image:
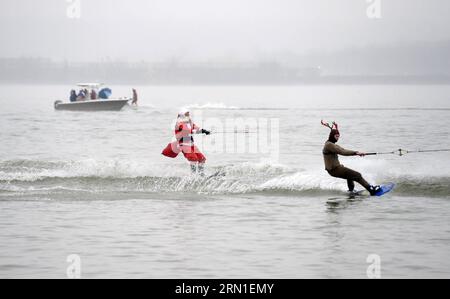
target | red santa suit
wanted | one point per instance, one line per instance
(184, 129)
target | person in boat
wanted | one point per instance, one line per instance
(184, 129)
(93, 95)
(331, 152)
(73, 96)
(135, 98)
(81, 95)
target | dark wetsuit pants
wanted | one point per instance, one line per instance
(350, 175)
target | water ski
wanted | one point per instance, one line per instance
(385, 188)
(217, 174)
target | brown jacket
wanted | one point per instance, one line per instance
(330, 155)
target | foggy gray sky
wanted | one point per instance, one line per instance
(198, 30)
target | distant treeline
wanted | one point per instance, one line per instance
(46, 71)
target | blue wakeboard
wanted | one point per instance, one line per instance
(386, 188)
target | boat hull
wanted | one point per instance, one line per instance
(93, 105)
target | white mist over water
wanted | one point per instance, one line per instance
(95, 184)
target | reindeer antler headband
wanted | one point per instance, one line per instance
(334, 125)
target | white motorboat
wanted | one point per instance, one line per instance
(94, 100)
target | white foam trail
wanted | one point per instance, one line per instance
(217, 106)
(262, 168)
(30, 171)
(26, 177)
(302, 181)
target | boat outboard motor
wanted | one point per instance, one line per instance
(57, 103)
